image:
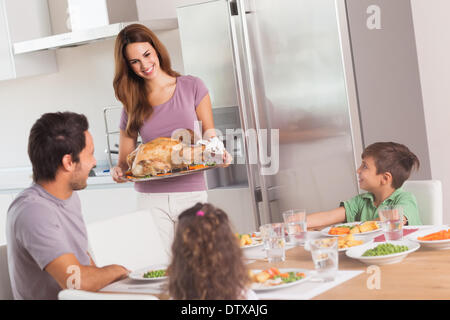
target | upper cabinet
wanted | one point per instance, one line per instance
(22, 20)
(78, 22)
(29, 28)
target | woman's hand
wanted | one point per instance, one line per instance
(118, 175)
(227, 159)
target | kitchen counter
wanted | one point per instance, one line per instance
(13, 180)
(16, 179)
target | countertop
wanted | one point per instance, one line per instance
(16, 179)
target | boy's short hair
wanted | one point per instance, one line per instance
(394, 158)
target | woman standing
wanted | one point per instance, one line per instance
(157, 101)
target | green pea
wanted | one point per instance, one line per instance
(385, 249)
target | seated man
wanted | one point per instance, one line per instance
(46, 235)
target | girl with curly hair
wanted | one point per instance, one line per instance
(207, 262)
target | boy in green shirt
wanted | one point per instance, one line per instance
(384, 168)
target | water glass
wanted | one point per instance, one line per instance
(391, 218)
(325, 255)
(274, 241)
(295, 220)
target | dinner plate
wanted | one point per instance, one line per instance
(433, 244)
(357, 252)
(262, 287)
(139, 274)
(327, 229)
(254, 244)
(170, 175)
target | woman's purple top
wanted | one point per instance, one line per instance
(177, 113)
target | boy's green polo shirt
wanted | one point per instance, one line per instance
(362, 208)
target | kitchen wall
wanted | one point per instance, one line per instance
(432, 31)
(83, 84)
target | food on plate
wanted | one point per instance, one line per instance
(273, 277)
(348, 241)
(440, 235)
(385, 249)
(246, 239)
(346, 229)
(368, 226)
(339, 230)
(155, 273)
(162, 155)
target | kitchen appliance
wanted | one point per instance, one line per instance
(285, 65)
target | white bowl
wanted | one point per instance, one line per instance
(357, 252)
(434, 244)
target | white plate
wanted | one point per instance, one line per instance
(139, 274)
(327, 229)
(357, 252)
(256, 243)
(261, 287)
(434, 244)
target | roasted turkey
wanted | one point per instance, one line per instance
(163, 155)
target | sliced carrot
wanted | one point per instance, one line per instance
(275, 271)
(284, 275)
(339, 230)
(196, 167)
(300, 274)
(440, 235)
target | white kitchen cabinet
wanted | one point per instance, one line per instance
(161, 9)
(237, 203)
(22, 20)
(104, 203)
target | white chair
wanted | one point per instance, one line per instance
(429, 199)
(5, 282)
(72, 294)
(131, 240)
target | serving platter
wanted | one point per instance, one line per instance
(130, 177)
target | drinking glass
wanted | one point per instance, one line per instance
(295, 220)
(274, 241)
(324, 252)
(391, 218)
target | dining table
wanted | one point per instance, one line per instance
(423, 275)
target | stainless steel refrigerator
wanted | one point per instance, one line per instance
(281, 70)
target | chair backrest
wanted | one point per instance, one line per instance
(71, 294)
(5, 282)
(131, 240)
(429, 199)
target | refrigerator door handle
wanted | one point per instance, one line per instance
(254, 104)
(243, 111)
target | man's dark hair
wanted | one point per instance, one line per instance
(53, 136)
(394, 158)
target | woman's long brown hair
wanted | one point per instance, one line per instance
(207, 262)
(129, 88)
